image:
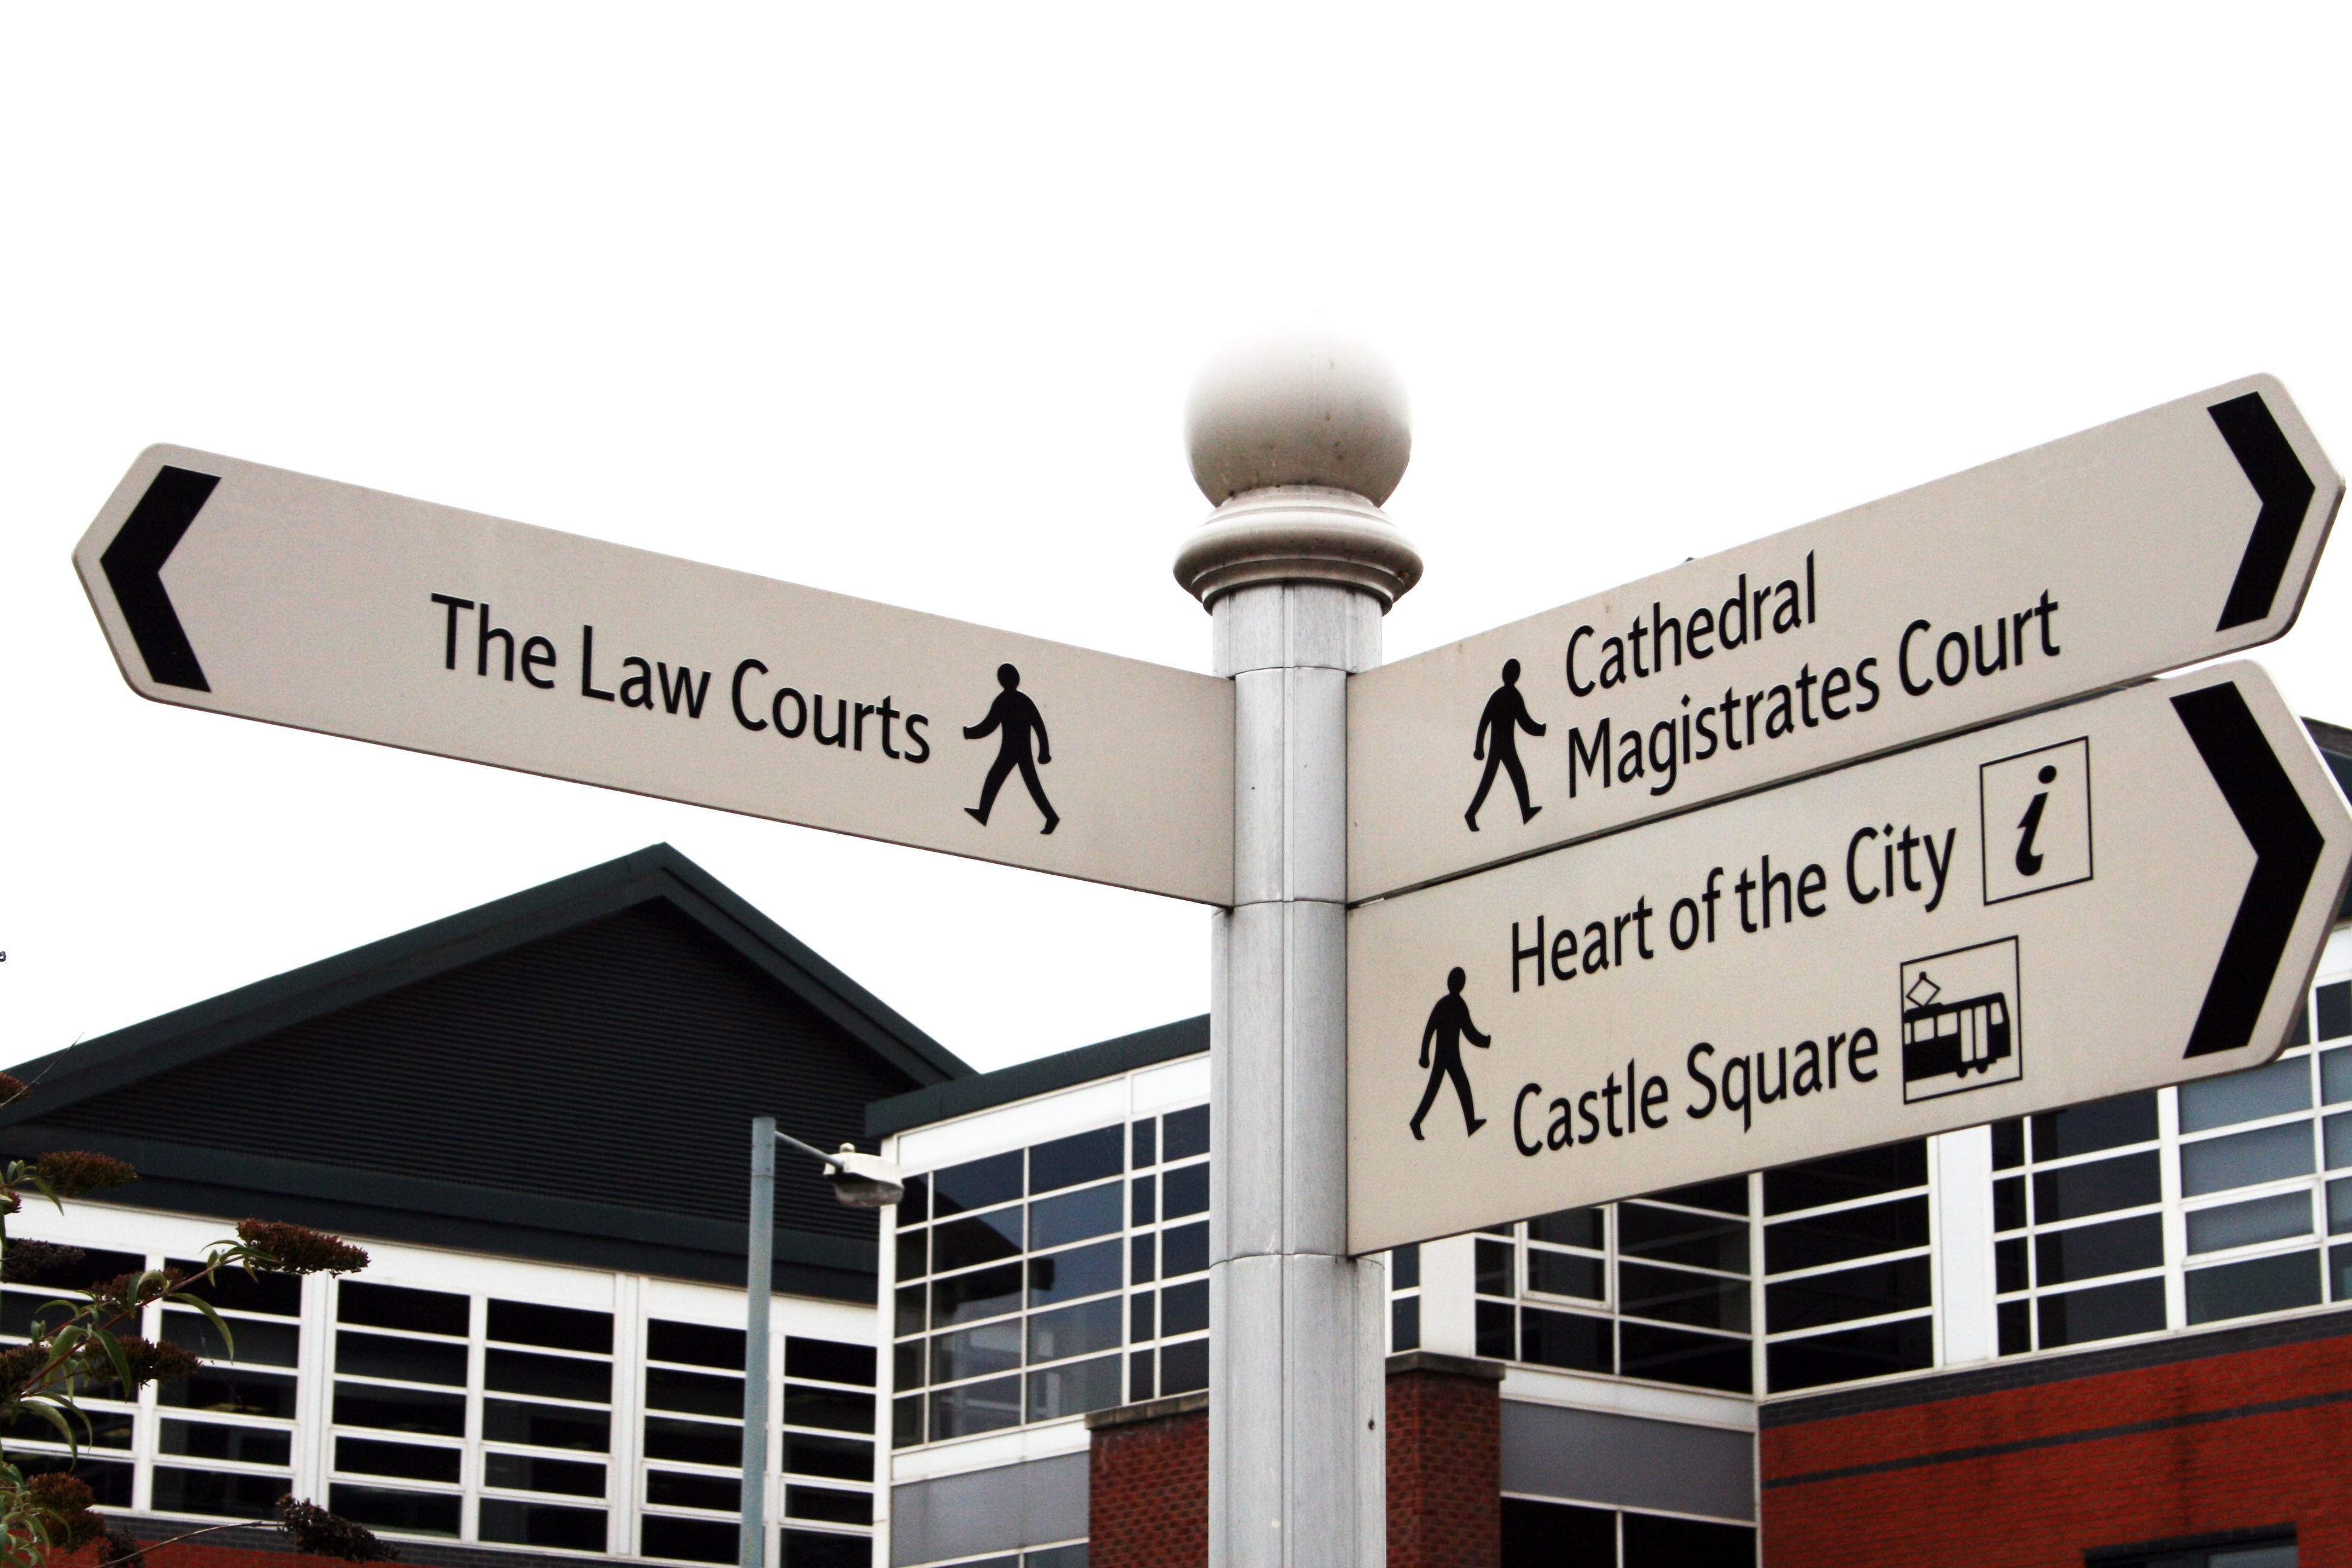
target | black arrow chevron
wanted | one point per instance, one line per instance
(134, 565)
(2286, 850)
(2280, 480)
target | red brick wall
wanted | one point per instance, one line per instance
(194, 1554)
(1445, 1471)
(1148, 1493)
(2040, 1506)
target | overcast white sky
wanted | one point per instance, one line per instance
(903, 302)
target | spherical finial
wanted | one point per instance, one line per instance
(1301, 406)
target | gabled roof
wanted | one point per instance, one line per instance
(567, 1073)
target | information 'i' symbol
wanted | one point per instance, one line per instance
(2028, 862)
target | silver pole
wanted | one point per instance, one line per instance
(1295, 439)
(751, 1549)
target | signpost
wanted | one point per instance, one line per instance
(2179, 535)
(248, 590)
(2111, 896)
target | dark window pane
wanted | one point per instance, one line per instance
(1081, 1271)
(695, 1540)
(2336, 1010)
(398, 1410)
(915, 1201)
(2117, 1247)
(1652, 1540)
(204, 1440)
(1184, 1191)
(1083, 1157)
(2271, 1090)
(1864, 1292)
(2101, 1124)
(2339, 1206)
(2097, 1188)
(976, 1352)
(398, 1307)
(1184, 1250)
(1840, 1177)
(962, 1297)
(1874, 1352)
(1404, 1267)
(2299, 1032)
(108, 1429)
(2016, 1328)
(2336, 1075)
(526, 1473)
(1140, 1261)
(543, 1524)
(1075, 1216)
(2258, 1285)
(1566, 1274)
(828, 1407)
(907, 1369)
(1841, 1238)
(1073, 1388)
(1727, 1195)
(693, 1442)
(1701, 1301)
(831, 1504)
(71, 1268)
(914, 1253)
(2241, 1158)
(808, 1549)
(1404, 1324)
(843, 1458)
(1142, 1316)
(558, 1328)
(2340, 1273)
(975, 1407)
(1671, 1355)
(409, 1361)
(235, 1290)
(1147, 1144)
(977, 1186)
(1496, 1273)
(2336, 1140)
(2008, 1143)
(1186, 1133)
(406, 1513)
(2273, 1218)
(2101, 1312)
(669, 1488)
(1554, 1535)
(1081, 1329)
(829, 1360)
(982, 1238)
(19, 1308)
(2009, 1265)
(1498, 1329)
(407, 1461)
(553, 1377)
(907, 1421)
(2009, 1204)
(1183, 1367)
(1057, 1557)
(1185, 1309)
(1139, 1376)
(694, 1393)
(696, 1345)
(550, 1427)
(236, 1392)
(1552, 1339)
(270, 1344)
(1670, 1236)
(910, 1318)
(1143, 1200)
(219, 1492)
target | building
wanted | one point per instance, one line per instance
(2119, 1333)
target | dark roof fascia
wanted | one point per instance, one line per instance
(1104, 1059)
(182, 1179)
(658, 872)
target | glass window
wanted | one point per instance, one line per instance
(405, 1359)
(1571, 1228)
(1082, 1271)
(2073, 1191)
(395, 1409)
(1674, 1236)
(2244, 1225)
(250, 1341)
(973, 1407)
(408, 1461)
(1184, 1249)
(2090, 1251)
(1146, 1143)
(669, 1488)
(1076, 1217)
(2243, 1159)
(2100, 1124)
(1845, 1236)
(984, 1238)
(228, 1493)
(213, 1440)
(693, 1442)
(694, 1392)
(2274, 1090)
(1700, 1301)
(690, 1539)
(398, 1307)
(832, 1408)
(1842, 1178)
(1905, 1344)
(1186, 1133)
(1870, 1290)
(1075, 1330)
(829, 1503)
(1183, 1367)
(235, 1290)
(552, 1377)
(1185, 1309)
(1068, 1162)
(829, 1360)
(533, 1473)
(843, 1458)
(1567, 1274)
(964, 1297)
(558, 1328)
(2258, 1285)
(1569, 1340)
(1184, 1191)
(402, 1512)
(2101, 1312)
(696, 1345)
(541, 1425)
(543, 1524)
(1073, 1388)
(976, 1352)
(982, 1184)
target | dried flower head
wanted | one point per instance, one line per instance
(18, 1366)
(67, 1500)
(120, 1547)
(298, 1249)
(149, 1362)
(13, 1088)
(9, 1202)
(31, 1260)
(76, 1173)
(136, 1289)
(329, 1534)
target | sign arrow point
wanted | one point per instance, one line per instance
(133, 564)
(2284, 486)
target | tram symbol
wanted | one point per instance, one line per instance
(1959, 1020)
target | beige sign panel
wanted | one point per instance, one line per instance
(2176, 535)
(2112, 896)
(246, 590)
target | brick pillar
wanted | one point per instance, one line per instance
(1147, 1485)
(1445, 1461)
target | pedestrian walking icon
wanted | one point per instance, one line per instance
(1014, 718)
(1497, 741)
(1449, 1023)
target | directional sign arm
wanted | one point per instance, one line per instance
(2278, 477)
(133, 564)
